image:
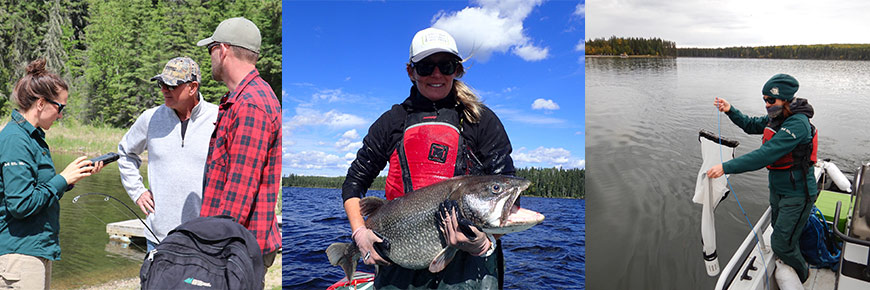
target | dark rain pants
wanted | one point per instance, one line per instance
(789, 214)
(464, 272)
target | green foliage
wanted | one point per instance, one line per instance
(108, 50)
(546, 182)
(555, 182)
(631, 46)
(294, 180)
(818, 51)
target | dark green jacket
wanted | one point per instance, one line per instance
(30, 190)
(794, 130)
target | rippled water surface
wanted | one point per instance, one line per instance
(547, 256)
(87, 255)
(643, 156)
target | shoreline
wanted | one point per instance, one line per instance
(564, 197)
(628, 56)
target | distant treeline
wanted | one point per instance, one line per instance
(555, 182)
(631, 46)
(817, 51)
(325, 182)
(546, 182)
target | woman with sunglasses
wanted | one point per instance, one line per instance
(788, 150)
(441, 130)
(30, 188)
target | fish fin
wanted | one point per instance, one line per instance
(442, 259)
(344, 255)
(370, 204)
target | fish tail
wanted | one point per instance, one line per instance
(344, 255)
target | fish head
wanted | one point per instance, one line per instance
(488, 202)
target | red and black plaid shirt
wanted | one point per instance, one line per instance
(243, 170)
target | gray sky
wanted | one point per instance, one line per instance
(722, 23)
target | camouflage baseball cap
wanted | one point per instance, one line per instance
(177, 71)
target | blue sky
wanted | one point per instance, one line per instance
(344, 65)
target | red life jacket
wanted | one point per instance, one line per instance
(803, 154)
(426, 154)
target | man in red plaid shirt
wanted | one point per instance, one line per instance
(242, 172)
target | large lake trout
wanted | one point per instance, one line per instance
(410, 224)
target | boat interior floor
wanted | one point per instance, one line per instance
(820, 279)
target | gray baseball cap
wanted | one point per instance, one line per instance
(237, 31)
(177, 71)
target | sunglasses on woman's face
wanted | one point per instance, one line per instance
(770, 100)
(427, 68)
(59, 105)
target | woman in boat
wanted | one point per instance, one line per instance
(788, 150)
(441, 130)
(30, 188)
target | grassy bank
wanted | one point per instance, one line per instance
(69, 136)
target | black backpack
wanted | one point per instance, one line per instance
(205, 253)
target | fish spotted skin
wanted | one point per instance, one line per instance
(411, 226)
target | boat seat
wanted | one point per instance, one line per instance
(827, 202)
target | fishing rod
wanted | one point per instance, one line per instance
(106, 197)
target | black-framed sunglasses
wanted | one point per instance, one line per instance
(162, 85)
(212, 45)
(447, 67)
(769, 100)
(59, 105)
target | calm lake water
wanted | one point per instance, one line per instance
(550, 255)
(87, 256)
(643, 157)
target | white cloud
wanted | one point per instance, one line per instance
(346, 142)
(580, 10)
(731, 23)
(541, 104)
(531, 52)
(333, 118)
(312, 160)
(556, 157)
(329, 95)
(350, 134)
(495, 26)
(581, 46)
(525, 117)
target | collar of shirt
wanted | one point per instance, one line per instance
(230, 97)
(26, 126)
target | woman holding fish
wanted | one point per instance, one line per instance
(441, 130)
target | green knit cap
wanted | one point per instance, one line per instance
(780, 86)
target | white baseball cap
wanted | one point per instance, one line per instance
(430, 41)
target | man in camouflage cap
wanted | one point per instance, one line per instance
(176, 136)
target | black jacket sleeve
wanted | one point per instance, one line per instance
(491, 146)
(377, 146)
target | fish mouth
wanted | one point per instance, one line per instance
(511, 199)
(514, 218)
